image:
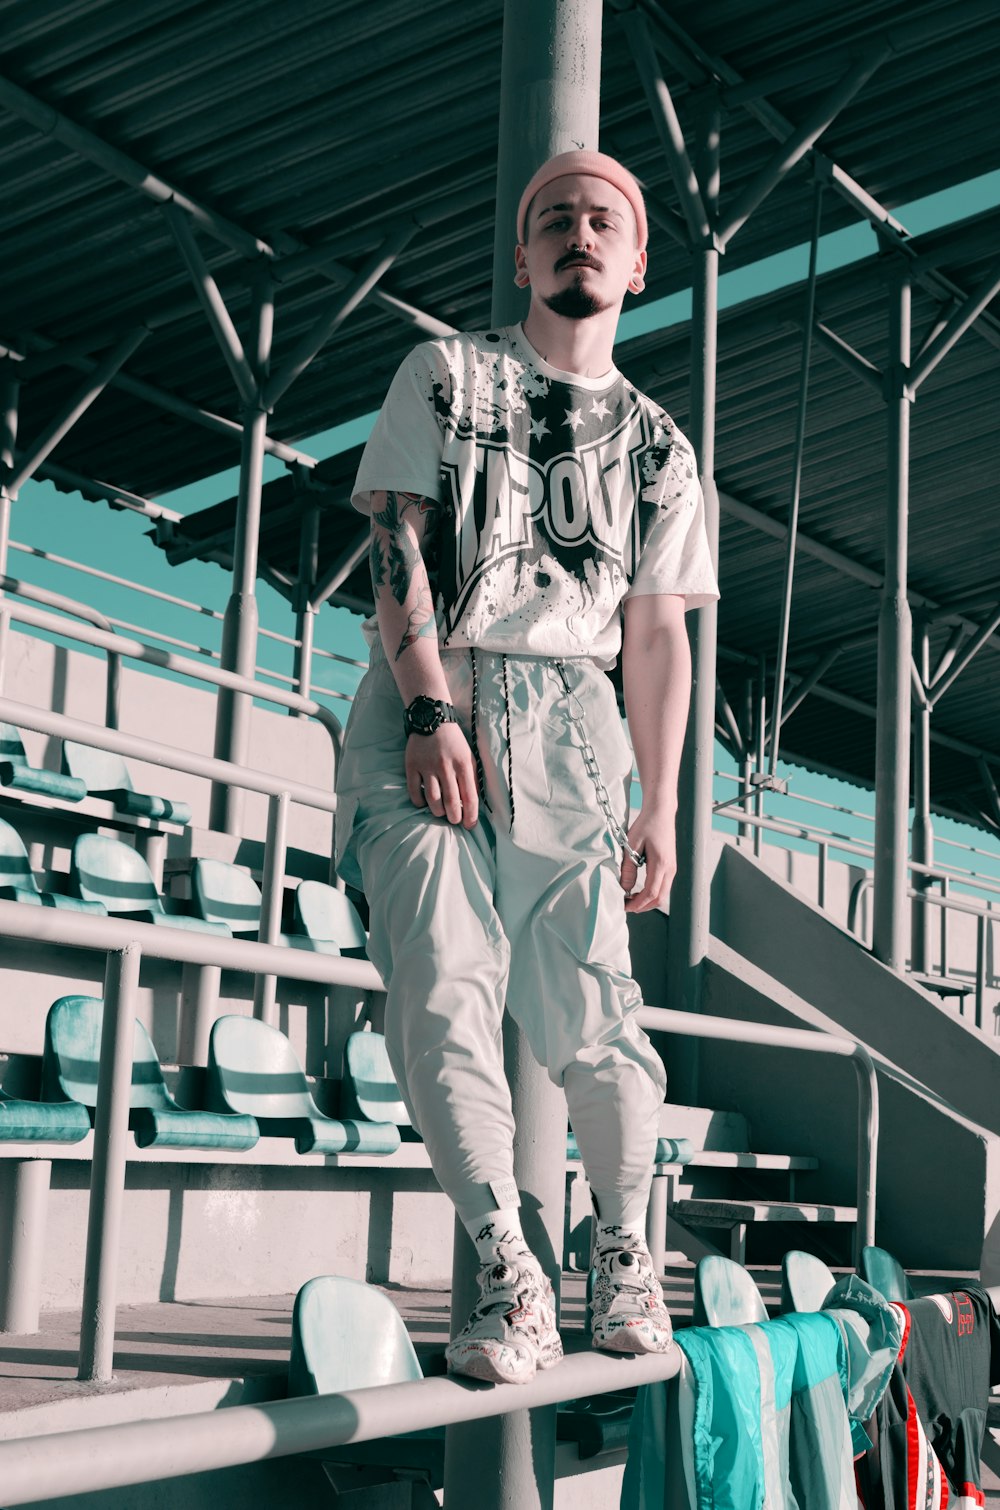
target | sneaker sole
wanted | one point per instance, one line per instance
(476, 1365)
(627, 1340)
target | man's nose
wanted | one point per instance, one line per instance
(581, 236)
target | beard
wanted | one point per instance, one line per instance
(574, 302)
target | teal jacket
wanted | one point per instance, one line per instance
(770, 1414)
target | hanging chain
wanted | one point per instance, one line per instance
(575, 714)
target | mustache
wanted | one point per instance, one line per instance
(579, 259)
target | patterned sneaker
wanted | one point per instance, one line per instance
(512, 1330)
(628, 1311)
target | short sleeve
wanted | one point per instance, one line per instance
(675, 556)
(404, 449)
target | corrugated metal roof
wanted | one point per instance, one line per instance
(319, 124)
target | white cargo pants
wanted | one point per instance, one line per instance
(525, 911)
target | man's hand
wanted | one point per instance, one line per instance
(652, 835)
(441, 775)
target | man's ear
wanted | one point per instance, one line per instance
(521, 277)
(637, 282)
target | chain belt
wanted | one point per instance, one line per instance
(590, 761)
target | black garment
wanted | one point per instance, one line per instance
(927, 1433)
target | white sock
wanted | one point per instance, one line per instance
(495, 1230)
(615, 1235)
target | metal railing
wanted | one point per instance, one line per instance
(202, 610)
(112, 691)
(687, 1025)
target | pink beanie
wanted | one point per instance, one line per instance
(594, 165)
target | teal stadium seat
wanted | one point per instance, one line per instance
(16, 773)
(252, 1068)
(42, 1121)
(107, 871)
(18, 884)
(105, 774)
(327, 917)
(725, 1294)
(69, 1072)
(224, 893)
(369, 1089)
(885, 1273)
(347, 1335)
(806, 1281)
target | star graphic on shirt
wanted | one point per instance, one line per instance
(539, 428)
(599, 409)
(574, 417)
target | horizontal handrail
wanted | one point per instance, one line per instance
(137, 747)
(112, 693)
(77, 930)
(139, 651)
(33, 1469)
(697, 1025)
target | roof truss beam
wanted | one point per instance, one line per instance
(961, 318)
(339, 571)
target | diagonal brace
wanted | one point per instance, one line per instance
(953, 329)
(334, 314)
(213, 304)
(340, 570)
(667, 125)
(808, 682)
(850, 358)
(80, 402)
(990, 786)
(727, 723)
(798, 144)
(938, 688)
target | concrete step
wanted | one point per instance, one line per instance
(717, 1158)
(704, 1127)
(737, 1215)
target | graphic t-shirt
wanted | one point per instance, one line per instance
(561, 495)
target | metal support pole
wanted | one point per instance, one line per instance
(793, 509)
(550, 85)
(107, 1178)
(892, 730)
(272, 892)
(200, 986)
(689, 905)
(922, 840)
(761, 729)
(305, 613)
(239, 631)
(10, 394)
(24, 1200)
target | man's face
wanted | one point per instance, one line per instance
(579, 255)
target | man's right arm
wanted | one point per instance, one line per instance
(440, 770)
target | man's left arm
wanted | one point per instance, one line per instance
(656, 672)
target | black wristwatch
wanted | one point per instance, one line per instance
(425, 714)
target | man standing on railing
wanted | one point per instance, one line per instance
(525, 498)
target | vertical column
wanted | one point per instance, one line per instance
(689, 903)
(239, 630)
(922, 841)
(10, 392)
(550, 102)
(305, 614)
(892, 730)
(24, 1204)
(107, 1174)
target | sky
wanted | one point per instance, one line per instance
(53, 524)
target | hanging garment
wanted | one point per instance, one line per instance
(769, 1414)
(927, 1434)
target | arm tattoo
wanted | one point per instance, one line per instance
(376, 558)
(420, 622)
(400, 553)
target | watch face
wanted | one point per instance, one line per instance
(425, 714)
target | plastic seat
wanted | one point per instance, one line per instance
(107, 871)
(806, 1281)
(328, 919)
(18, 884)
(369, 1089)
(885, 1273)
(69, 1073)
(725, 1294)
(42, 1121)
(223, 893)
(105, 774)
(347, 1335)
(15, 771)
(252, 1068)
